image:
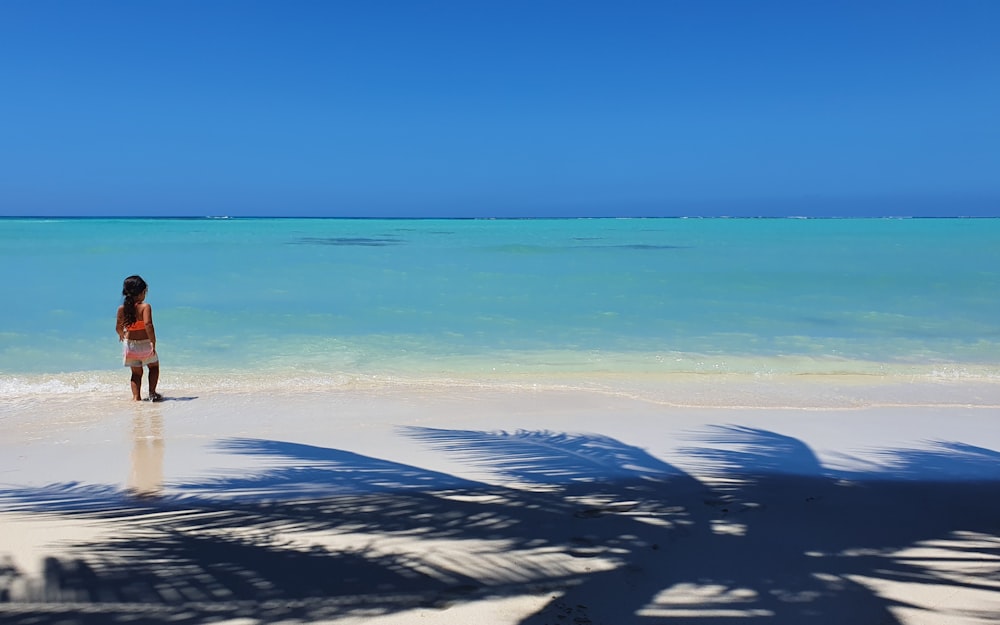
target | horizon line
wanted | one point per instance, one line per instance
(490, 218)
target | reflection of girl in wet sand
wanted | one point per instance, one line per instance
(146, 479)
(134, 325)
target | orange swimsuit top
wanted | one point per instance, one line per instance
(139, 324)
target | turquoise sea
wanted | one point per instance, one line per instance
(281, 300)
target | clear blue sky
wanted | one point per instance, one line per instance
(499, 107)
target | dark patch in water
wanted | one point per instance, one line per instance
(639, 246)
(418, 230)
(821, 321)
(358, 241)
(646, 246)
(544, 249)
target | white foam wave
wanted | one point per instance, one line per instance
(64, 384)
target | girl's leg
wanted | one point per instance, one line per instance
(154, 377)
(136, 383)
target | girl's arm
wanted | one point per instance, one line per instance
(120, 323)
(147, 316)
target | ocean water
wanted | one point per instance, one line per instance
(305, 301)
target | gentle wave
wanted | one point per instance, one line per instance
(59, 384)
(844, 385)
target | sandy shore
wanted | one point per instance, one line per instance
(484, 503)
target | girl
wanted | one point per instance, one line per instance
(134, 325)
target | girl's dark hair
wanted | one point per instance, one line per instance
(131, 289)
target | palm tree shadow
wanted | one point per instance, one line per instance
(764, 533)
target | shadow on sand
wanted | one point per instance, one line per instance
(601, 531)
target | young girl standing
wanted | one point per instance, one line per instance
(134, 325)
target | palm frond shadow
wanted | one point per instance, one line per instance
(943, 461)
(545, 457)
(304, 471)
(766, 534)
(745, 451)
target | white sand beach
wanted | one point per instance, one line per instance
(652, 501)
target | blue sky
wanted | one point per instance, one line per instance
(478, 108)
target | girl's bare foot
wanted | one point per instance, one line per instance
(154, 396)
